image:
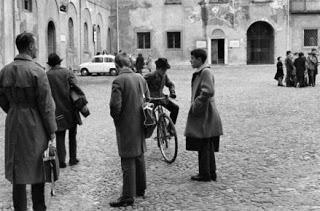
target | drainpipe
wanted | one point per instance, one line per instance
(118, 41)
(14, 27)
(288, 25)
(80, 32)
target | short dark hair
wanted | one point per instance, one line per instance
(199, 53)
(288, 52)
(122, 59)
(279, 58)
(23, 41)
(301, 54)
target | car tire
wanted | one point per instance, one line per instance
(113, 72)
(84, 72)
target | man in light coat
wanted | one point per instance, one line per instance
(25, 96)
(204, 127)
(128, 91)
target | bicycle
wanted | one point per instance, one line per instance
(166, 132)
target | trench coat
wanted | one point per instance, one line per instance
(126, 111)
(61, 80)
(25, 96)
(203, 118)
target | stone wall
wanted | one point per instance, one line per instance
(233, 19)
(94, 12)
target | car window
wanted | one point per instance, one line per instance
(106, 59)
(97, 59)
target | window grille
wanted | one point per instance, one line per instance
(218, 1)
(173, 2)
(310, 37)
(143, 40)
(174, 39)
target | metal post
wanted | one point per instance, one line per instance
(118, 42)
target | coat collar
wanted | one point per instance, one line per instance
(23, 57)
(199, 69)
(125, 70)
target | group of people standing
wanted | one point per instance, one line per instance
(39, 109)
(41, 105)
(301, 70)
(203, 127)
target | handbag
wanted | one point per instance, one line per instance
(149, 122)
(51, 166)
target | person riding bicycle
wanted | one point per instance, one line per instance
(156, 81)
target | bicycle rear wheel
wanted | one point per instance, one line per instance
(167, 141)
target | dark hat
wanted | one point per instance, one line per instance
(53, 59)
(162, 63)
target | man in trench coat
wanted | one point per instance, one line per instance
(25, 96)
(204, 127)
(128, 90)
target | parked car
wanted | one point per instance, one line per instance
(100, 64)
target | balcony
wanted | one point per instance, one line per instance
(305, 7)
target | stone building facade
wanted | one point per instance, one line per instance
(232, 31)
(75, 29)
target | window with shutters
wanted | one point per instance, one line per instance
(143, 40)
(310, 37)
(27, 5)
(174, 39)
(304, 6)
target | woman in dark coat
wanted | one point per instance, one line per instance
(279, 75)
(204, 127)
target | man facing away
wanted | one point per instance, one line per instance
(157, 80)
(62, 81)
(25, 96)
(290, 76)
(128, 90)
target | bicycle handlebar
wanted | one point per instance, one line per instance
(159, 98)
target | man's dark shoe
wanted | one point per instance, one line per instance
(140, 194)
(122, 202)
(200, 178)
(73, 162)
(214, 177)
(62, 165)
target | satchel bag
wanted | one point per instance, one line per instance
(150, 121)
(51, 166)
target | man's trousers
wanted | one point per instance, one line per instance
(19, 196)
(207, 161)
(134, 176)
(61, 148)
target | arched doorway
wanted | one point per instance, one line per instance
(98, 39)
(51, 38)
(70, 49)
(109, 41)
(217, 47)
(260, 43)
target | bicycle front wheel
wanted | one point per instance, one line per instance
(167, 138)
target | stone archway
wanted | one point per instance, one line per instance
(51, 37)
(260, 43)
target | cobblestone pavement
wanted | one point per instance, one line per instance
(269, 156)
